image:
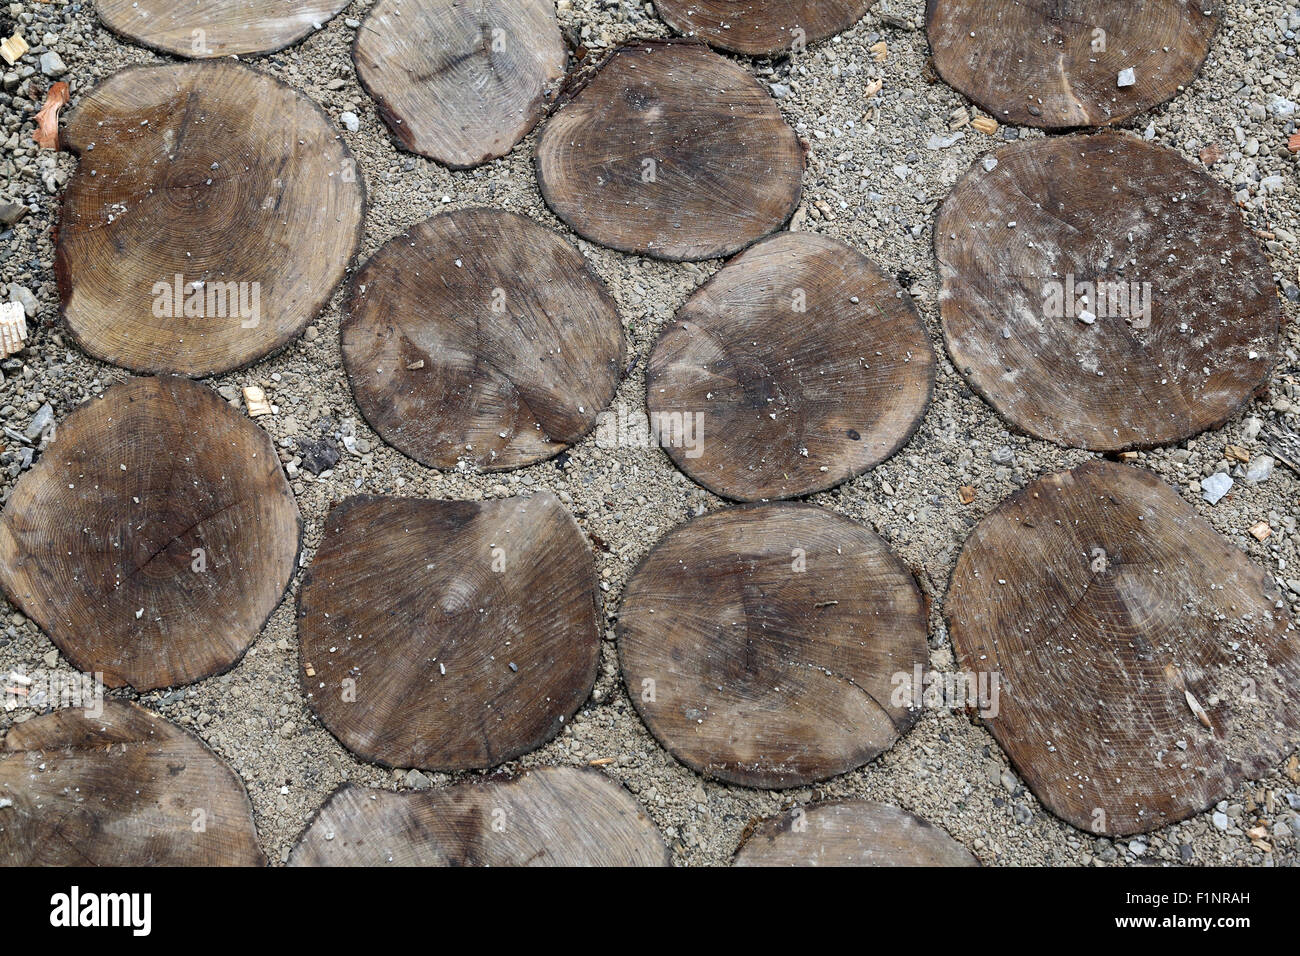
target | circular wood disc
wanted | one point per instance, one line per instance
(850, 833)
(154, 538)
(1145, 670)
(761, 27)
(211, 28)
(449, 635)
(550, 816)
(671, 151)
(209, 223)
(461, 82)
(119, 788)
(1055, 65)
(801, 365)
(1103, 293)
(481, 336)
(759, 644)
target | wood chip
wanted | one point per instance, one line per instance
(256, 401)
(1237, 453)
(985, 124)
(879, 51)
(966, 493)
(1261, 531)
(13, 49)
(13, 329)
(1293, 144)
(46, 134)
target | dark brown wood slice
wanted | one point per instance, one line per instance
(209, 223)
(671, 151)
(1145, 665)
(1103, 293)
(461, 81)
(119, 787)
(761, 27)
(798, 366)
(449, 635)
(212, 28)
(479, 336)
(153, 539)
(850, 833)
(549, 816)
(1056, 65)
(759, 644)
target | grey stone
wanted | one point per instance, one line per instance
(350, 121)
(42, 420)
(52, 64)
(1215, 487)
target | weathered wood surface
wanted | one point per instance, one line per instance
(209, 178)
(550, 816)
(448, 635)
(850, 833)
(153, 539)
(671, 151)
(1183, 332)
(461, 81)
(125, 788)
(1056, 64)
(1145, 667)
(481, 336)
(761, 27)
(799, 366)
(212, 28)
(759, 644)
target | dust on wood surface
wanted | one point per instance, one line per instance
(1144, 668)
(760, 644)
(152, 540)
(448, 635)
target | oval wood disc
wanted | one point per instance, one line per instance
(481, 336)
(211, 28)
(449, 635)
(850, 833)
(154, 538)
(761, 27)
(1145, 671)
(1058, 65)
(754, 672)
(461, 82)
(800, 365)
(1127, 306)
(550, 816)
(119, 788)
(671, 151)
(215, 180)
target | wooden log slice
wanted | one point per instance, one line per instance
(1145, 667)
(1103, 293)
(479, 336)
(761, 27)
(212, 28)
(671, 151)
(759, 644)
(850, 833)
(461, 81)
(119, 787)
(209, 223)
(154, 538)
(448, 635)
(1064, 63)
(798, 366)
(550, 816)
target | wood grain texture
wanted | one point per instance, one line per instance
(1139, 219)
(850, 833)
(1109, 608)
(479, 336)
(467, 629)
(1056, 64)
(219, 175)
(550, 816)
(671, 151)
(753, 672)
(213, 28)
(153, 539)
(124, 788)
(761, 27)
(803, 364)
(461, 81)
